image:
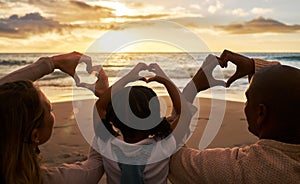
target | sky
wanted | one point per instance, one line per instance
(149, 26)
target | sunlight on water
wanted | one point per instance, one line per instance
(180, 67)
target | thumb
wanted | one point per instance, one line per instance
(219, 83)
(232, 79)
(86, 85)
(143, 79)
(76, 79)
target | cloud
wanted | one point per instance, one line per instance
(32, 23)
(259, 25)
(195, 6)
(254, 11)
(214, 8)
(69, 11)
(261, 11)
(63, 17)
(239, 12)
(148, 17)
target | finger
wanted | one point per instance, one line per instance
(87, 86)
(219, 83)
(210, 62)
(222, 63)
(143, 79)
(139, 67)
(232, 79)
(88, 61)
(155, 79)
(155, 68)
(76, 79)
(151, 79)
(97, 68)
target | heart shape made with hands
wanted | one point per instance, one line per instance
(149, 76)
(96, 73)
(148, 73)
(142, 71)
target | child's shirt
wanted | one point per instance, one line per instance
(147, 160)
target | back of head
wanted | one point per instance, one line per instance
(278, 87)
(21, 111)
(142, 101)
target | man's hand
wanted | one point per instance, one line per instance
(203, 78)
(244, 65)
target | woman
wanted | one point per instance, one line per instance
(27, 122)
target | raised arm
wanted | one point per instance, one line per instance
(203, 79)
(245, 65)
(65, 62)
(105, 98)
(173, 91)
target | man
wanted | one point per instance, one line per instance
(272, 106)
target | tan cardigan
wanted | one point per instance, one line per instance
(266, 161)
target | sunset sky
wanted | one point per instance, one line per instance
(63, 26)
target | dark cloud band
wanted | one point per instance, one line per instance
(259, 25)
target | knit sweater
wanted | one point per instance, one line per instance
(266, 161)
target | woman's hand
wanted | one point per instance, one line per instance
(67, 63)
(99, 87)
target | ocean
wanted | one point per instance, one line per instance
(180, 67)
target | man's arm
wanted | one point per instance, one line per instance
(245, 65)
(203, 79)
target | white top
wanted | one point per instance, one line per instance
(154, 154)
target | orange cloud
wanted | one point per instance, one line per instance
(259, 25)
(32, 23)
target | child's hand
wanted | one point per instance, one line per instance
(133, 75)
(160, 74)
(155, 68)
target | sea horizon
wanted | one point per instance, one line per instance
(179, 66)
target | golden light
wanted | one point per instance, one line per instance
(149, 46)
(119, 8)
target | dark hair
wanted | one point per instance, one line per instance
(21, 111)
(139, 101)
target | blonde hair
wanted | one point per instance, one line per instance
(21, 112)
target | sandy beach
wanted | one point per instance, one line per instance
(67, 145)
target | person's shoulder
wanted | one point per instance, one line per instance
(273, 144)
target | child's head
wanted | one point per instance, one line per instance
(138, 98)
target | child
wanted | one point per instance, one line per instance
(143, 154)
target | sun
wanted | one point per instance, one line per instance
(119, 8)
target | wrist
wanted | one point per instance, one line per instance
(47, 61)
(52, 65)
(55, 62)
(260, 63)
(198, 79)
